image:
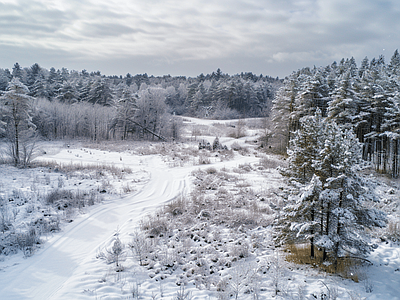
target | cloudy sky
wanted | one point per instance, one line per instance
(189, 37)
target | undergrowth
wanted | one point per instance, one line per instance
(347, 267)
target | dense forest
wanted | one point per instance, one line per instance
(70, 104)
(365, 99)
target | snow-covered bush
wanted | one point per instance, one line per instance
(241, 277)
(155, 226)
(27, 241)
(269, 163)
(140, 246)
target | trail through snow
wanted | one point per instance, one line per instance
(44, 276)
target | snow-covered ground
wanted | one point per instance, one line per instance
(72, 263)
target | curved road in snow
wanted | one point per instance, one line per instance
(44, 275)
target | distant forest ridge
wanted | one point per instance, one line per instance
(216, 95)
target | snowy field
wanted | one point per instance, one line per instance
(193, 224)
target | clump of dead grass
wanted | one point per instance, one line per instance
(71, 167)
(347, 267)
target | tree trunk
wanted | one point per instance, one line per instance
(394, 159)
(16, 147)
(324, 254)
(312, 254)
(338, 230)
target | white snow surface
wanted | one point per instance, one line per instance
(55, 271)
(66, 266)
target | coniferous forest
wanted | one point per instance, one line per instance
(364, 99)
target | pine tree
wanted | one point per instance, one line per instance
(100, 92)
(283, 107)
(313, 95)
(331, 211)
(342, 108)
(40, 88)
(17, 71)
(394, 65)
(304, 148)
(67, 93)
(216, 144)
(302, 216)
(4, 80)
(17, 119)
(391, 130)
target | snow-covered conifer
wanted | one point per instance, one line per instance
(342, 107)
(303, 148)
(283, 106)
(303, 216)
(216, 144)
(16, 120)
(333, 211)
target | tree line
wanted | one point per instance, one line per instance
(364, 99)
(63, 104)
(215, 95)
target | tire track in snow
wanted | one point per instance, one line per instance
(43, 275)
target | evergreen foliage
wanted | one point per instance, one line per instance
(332, 209)
(363, 99)
(16, 120)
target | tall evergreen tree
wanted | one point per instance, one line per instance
(283, 108)
(332, 211)
(342, 108)
(16, 108)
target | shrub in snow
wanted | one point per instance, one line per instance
(392, 231)
(238, 130)
(140, 246)
(240, 250)
(155, 226)
(269, 163)
(277, 269)
(205, 145)
(243, 278)
(211, 170)
(5, 216)
(182, 294)
(27, 241)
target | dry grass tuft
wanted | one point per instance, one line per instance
(347, 267)
(74, 167)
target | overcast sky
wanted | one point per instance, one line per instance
(189, 37)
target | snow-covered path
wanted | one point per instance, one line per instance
(49, 274)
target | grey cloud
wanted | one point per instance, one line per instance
(27, 56)
(269, 36)
(103, 30)
(31, 19)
